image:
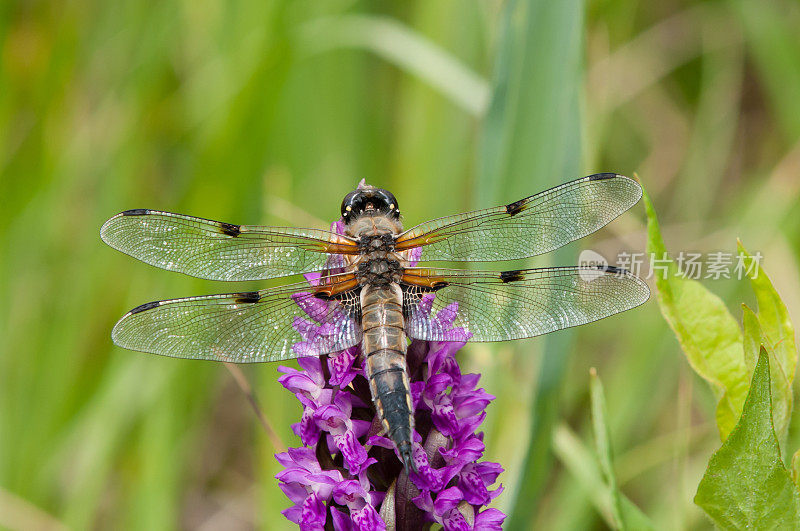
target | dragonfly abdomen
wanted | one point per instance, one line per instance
(384, 348)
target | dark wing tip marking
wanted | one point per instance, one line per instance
(144, 307)
(511, 276)
(136, 212)
(612, 269)
(516, 207)
(602, 176)
(247, 297)
(230, 229)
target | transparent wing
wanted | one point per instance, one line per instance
(444, 304)
(268, 325)
(221, 251)
(528, 227)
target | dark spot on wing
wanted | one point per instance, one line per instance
(144, 307)
(229, 229)
(136, 212)
(247, 297)
(515, 208)
(322, 296)
(612, 269)
(602, 176)
(511, 276)
(436, 286)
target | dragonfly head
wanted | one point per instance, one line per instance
(368, 200)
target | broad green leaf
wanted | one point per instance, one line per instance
(603, 442)
(709, 335)
(778, 333)
(754, 340)
(746, 484)
(583, 466)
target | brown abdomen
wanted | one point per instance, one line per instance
(384, 347)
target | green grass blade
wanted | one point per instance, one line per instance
(531, 141)
(771, 31)
(603, 442)
(583, 466)
(403, 47)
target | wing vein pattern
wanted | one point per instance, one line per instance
(495, 306)
(267, 325)
(528, 227)
(220, 251)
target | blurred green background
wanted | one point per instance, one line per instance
(269, 112)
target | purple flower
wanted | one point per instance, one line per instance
(347, 475)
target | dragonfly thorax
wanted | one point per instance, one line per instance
(379, 271)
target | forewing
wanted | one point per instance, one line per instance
(267, 325)
(528, 227)
(221, 251)
(453, 305)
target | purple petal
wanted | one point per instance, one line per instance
(299, 382)
(424, 501)
(444, 418)
(304, 327)
(314, 307)
(490, 520)
(447, 315)
(447, 499)
(472, 404)
(488, 471)
(307, 428)
(294, 475)
(468, 425)
(323, 484)
(496, 492)
(413, 256)
(355, 456)
(331, 419)
(350, 493)
(468, 382)
(436, 384)
(425, 305)
(313, 367)
(453, 520)
(473, 487)
(312, 514)
(296, 492)
(338, 226)
(293, 514)
(313, 277)
(341, 366)
(468, 451)
(367, 519)
(428, 478)
(341, 521)
(379, 440)
(417, 389)
(304, 457)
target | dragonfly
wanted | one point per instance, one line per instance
(376, 284)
